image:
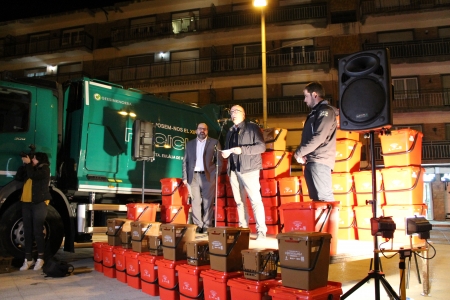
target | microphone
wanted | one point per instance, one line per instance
(223, 120)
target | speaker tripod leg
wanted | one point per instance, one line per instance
(392, 294)
(357, 286)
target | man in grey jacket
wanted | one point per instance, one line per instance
(317, 150)
(243, 147)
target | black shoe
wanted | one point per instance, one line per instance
(199, 230)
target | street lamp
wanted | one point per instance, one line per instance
(262, 4)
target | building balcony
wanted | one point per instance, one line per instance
(14, 49)
(371, 7)
(224, 66)
(126, 35)
(415, 51)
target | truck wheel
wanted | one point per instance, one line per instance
(12, 237)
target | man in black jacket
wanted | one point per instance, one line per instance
(317, 150)
(243, 147)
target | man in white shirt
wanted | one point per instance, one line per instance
(199, 172)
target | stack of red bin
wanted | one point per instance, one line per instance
(403, 179)
(174, 208)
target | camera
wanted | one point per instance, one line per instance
(31, 153)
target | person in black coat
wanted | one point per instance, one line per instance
(35, 174)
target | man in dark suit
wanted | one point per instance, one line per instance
(199, 172)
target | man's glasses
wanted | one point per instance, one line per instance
(202, 128)
(235, 111)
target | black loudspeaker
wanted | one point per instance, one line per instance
(365, 91)
(143, 140)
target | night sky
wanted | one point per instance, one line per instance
(21, 9)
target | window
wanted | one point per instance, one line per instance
(396, 36)
(72, 36)
(142, 27)
(185, 97)
(447, 131)
(70, 68)
(141, 60)
(185, 21)
(444, 32)
(291, 90)
(390, 3)
(298, 51)
(39, 42)
(247, 56)
(446, 88)
(37, 72)
(247, 93)
(14, 110)
(293, 2)
(405, 88)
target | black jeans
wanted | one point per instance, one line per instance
(33, 225)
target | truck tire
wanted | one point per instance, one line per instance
(12, 236)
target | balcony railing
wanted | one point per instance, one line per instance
(217, 21)
(421, 48)
(432, 152)
(45, 45)
(369, 7)
(220, 64)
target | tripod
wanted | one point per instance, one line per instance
(376, 273)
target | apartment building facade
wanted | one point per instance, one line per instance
(210, 52)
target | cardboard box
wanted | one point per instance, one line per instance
(174, 239)
(225, 246)
(139, 229)
(197, 252)
(260, 264)
(125, 237)
(155, 245)
(304, 259)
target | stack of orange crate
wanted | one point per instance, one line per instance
(221, 204)
(174, 208)
(348, 160)
(403, 179)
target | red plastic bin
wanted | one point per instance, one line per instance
(121, 265)
(98, 255)
(343, 191)
(246, 289)
(363, 187)
(145, 212)
(269, 187)
(332, 291)
(149, 274)
(109, 261)
(173, 191)
(276, 164)
(348, 156)
(133, 269)
(189, 281)
(403, 185)
(402, 147)
(314, 216)
(168, 278)
(215, 283)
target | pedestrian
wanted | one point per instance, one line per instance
(199, 173)
(35, 173)
(317, 149)
(245, 143)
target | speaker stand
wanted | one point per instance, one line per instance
(375, 274)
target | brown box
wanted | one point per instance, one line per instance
(114, 228)
(125, 237)
(225, 246)
(304, 259)
(155, 245)
(140, 246)
(174, 239)
(275, 138)
(139, 229)
(260, 264)
(197, 252)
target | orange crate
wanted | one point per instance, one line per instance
(144, 212)
(349, 233)
(190, 283)
(363, 181)
(315, 216)
(332, 291)
(403, 185)
(271, 213)
(305, 192)
(221, 213)
(347, 135)
(221, 202)
(399, 213)
(245, 289)
(174, 214)
(269, 187)
(290, 189)
(215, 283)
(347, 223)
(348, 156)
(271, 201)
(232, 214)
(221, 189)
(342, 184)
(173, 191)
(363, 214)
(402, 147)
(276, 164)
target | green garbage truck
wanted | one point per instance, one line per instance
(87, 128)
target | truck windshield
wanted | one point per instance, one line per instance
(14, 110)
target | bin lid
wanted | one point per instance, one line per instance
(255, 286)
(193, 270)
(303, 235)
(220, 276)
(149, 258)
(282, 292)
(169, 264)
(216, 230)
